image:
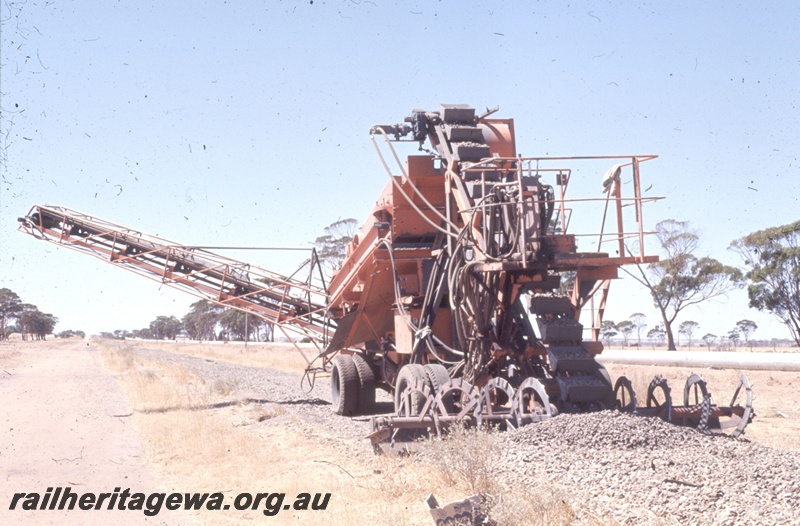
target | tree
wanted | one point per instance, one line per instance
(567, 282)
(625, 327)
(263, 330)
(25, 319)
(144, 333)
(639, 321)
(202, 319)
(708, 339)
(165, 327)
(608, 331)
(680, 278)
(332, 246)
(657, 333)
(44, 324)
(688, 328)
(35, 323)
(747, 328)
(772, 261)
(10, 307)
(237, 325)
(734, 336)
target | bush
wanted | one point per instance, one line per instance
(69, 333)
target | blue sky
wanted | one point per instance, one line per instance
(246, 123)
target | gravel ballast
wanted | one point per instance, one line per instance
(645, 471)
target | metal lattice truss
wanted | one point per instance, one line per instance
(292, 305)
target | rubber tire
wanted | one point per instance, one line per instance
(366, 385)
(344, 385)
(409, 375)
(438, 376)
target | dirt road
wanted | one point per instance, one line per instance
(66, 423)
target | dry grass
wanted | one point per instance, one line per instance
(198, 437)
(280, 356)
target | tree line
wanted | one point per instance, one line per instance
(26, 319)
(204, 321)
(771, 273)
(630, 333)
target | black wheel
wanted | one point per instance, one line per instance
(697, 389)
(437, 377)
(366, 385)
(661, 402)
(624, 395)
(410, 383)
(344, 385)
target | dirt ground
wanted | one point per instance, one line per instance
(67, 422)
(74, 413)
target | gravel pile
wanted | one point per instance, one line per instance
(640, 470)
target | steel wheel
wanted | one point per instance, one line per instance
(695, 395)
(658, 397)
(531, 400)
(467, 397)
(735, 424)
(490, 395)
(411, 391)
(624, 395)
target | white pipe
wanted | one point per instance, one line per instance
(768, 361)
